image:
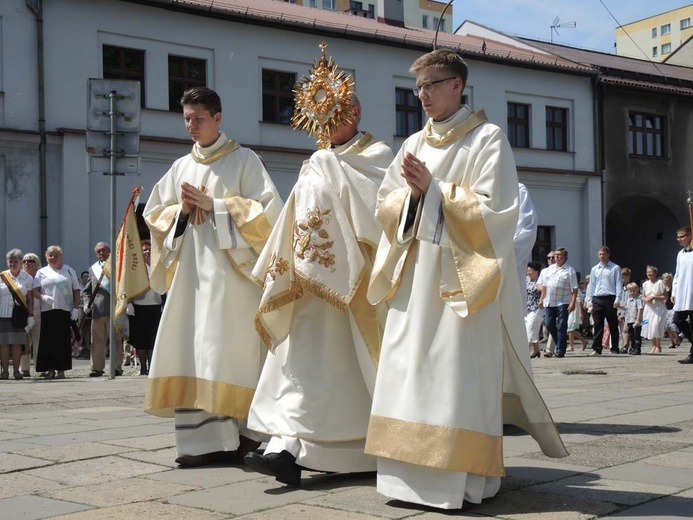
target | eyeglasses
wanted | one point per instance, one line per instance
(682, 236)
(550, 257)
(426, 88)
(29, 261)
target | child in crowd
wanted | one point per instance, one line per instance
(633, 318)
(621, 312)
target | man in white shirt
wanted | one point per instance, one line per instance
(682, 289)
(603, 297)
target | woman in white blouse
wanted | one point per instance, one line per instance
(13, 338)
(654, 314)
(57, 287)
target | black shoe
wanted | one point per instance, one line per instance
(281, 466)
(96, 373)
(687, 361)
(615, 351)
(560, 354)
(118, 372)
(245, 446)
(195, 461)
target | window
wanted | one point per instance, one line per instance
(407, 112)
(654, 32)
(371, 11)
(313, 3)
(442, 25)
(685, 23)
(666, 48)
(424, 21)
(328, 4)
(277, 96)
(184, 73)
(647, 134)
(518, 125)
(542, 245)
(122, 63)
(435, 22)
(557, 129)
(356, 5)
(665, 29)
(654, 52)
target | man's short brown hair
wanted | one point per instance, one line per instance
(449, 61)
(202, 96)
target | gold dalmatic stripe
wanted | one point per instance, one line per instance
(160, 224)
(366, 318)
(250, 218)
(390, 210)
(165, 394)
(477, 267)
(475, 119)
(441, 447)
(226, 149)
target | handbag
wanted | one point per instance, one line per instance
(20, 316)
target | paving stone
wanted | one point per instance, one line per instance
(365, 500)
(207, 477)
(10, 462)
(527, 505)
(676, 459)
(151, 442)
(76, 452)
(611, 452)
(15, 484)
(541, 470)
(145, 511)
(592, 487)
(307, 512)
(93, 471)
(681, 478)
(15, 445)
(125, 492)
(253, 496)
(32, 508)
(669, 508)
(166, 457)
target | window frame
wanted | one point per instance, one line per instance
(122, 72)
(654, 32)
(278, 94)
(424, 21)
(665, 29)
(641, 148)
(666, 48)
(184, 81)
(516, 124)
(687, 23)
(552, 126)
(655, 51)
(407, 109)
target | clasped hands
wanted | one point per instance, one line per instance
(193, 197)
(417, 176)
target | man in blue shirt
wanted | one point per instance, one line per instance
(603, 297)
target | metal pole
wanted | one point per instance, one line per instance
(111, 333)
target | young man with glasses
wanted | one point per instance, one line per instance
(682, 289)
(446, 265)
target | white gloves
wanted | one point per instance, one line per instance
(29, 323)
(130, 309)
(74, 314)
(47, 299)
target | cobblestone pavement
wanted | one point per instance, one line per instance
(81, 448)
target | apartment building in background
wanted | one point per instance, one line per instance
(656, 37)
(424, 14)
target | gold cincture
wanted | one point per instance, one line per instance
(323, 101)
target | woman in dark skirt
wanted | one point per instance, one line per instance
(57, 287)
(144, 324)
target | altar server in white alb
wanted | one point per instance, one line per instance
(449, 376)
(314, 395)
(209, 217)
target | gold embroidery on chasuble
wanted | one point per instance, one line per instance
(311, 242)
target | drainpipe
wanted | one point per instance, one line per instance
(36, 6)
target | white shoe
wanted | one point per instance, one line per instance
(594, 353)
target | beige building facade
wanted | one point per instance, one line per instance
(656, 37)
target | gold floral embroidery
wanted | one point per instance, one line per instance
(307, 234)
(277, 267)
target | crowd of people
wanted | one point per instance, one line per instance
(607, 307)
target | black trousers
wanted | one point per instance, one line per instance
(681, 320)
(603, 309)
(635, 338)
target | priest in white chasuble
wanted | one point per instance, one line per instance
(209, 217)
(314, 394)
(449, 377)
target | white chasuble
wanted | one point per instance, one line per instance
(314, 394)
(207, 355)
(449, 377)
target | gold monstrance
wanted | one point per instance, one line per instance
(323, 100)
